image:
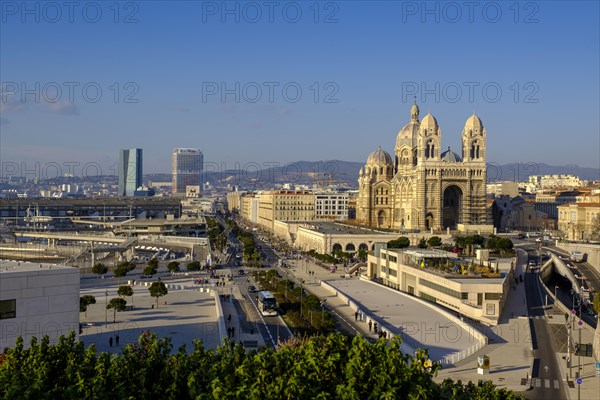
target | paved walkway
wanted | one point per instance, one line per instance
(239, 314)
(590, 384)
(509, 346)
(186, 316)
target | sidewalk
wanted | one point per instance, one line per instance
(300, 269)
(183, 315)
(590, 386)
(509, 346)
(236, 308)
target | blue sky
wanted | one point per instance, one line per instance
(162, 67)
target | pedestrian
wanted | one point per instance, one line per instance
(229, 318)
(356, 316)
(370, 325)
(229, 332)
(110, 341)
(375, 327)
(385, 334)
(232, 331)
(117, 340)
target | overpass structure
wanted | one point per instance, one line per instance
(103, 244)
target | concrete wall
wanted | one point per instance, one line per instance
(47, 302)
(592, 251)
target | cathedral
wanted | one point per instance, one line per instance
(423, 188)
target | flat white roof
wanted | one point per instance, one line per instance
(423, 323)
(17, 267)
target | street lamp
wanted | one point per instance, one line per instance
(106, 309)
(323, 309)
(301, 290)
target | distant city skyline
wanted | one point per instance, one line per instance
(334, 83)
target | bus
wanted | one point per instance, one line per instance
(266, 303)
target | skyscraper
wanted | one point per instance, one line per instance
(130, 171)
(187, 169)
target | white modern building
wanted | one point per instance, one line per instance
(331, 205)
(37, 300)
(442, 278)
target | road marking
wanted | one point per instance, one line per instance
(547, 383)
(556, 384)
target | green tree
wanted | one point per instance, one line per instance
(126, 290)
(149, 270)
(173, 267)
(158, 289)
(362, 255)
(116, 304)
(153, 263)
(434, 241)
(85, 301)
(399, 243)
(121, 271)
(422, 243)
(193, 266)
(99, 269)
(319, 367)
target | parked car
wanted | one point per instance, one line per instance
(251, 289)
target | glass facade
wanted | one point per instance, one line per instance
(440, 288)
(130, 171)
(187, 168)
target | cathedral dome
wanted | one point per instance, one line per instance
(450, 156)
(474, 123)
(429, 122)
(409, 132)
(380, 158)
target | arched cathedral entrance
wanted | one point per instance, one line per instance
(452, 204)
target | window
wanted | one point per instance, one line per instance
(464, 296)
(8, 309)
(493, 296)
(427, 297)
(440, 288)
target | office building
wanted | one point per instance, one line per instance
(130, 171)
(186, 169)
